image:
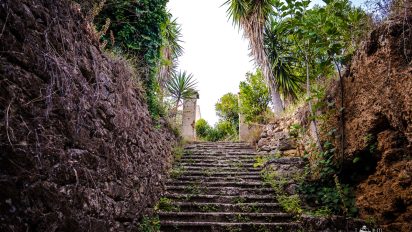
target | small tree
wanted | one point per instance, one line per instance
(202, 128)
(254, 98)
(180, 87)
(227, 109)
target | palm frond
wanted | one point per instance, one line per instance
(181, 86)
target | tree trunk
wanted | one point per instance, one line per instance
(313, 123)
(276, 100)
(267, 73)
(342, 114)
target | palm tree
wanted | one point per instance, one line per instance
(170, 50)
(277, 47)
(180, 87)
(251, 16)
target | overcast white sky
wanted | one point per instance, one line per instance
(215, 51)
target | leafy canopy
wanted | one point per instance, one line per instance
(227, 109)
(254, 98)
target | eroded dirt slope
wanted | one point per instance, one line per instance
(378, 125)
(79, 151)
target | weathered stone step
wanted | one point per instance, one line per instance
(217, 169)
(224, 207)
(223, 158)
(217, 145)
(218, 148)
(222, 198)
(220, 155)
(220, 178)
(236, 191)
(217, 165)
(220, 151)
(169, 226)
(217, 161)
(214, 158)
(226, 216)
(219, 183)
(208, 172)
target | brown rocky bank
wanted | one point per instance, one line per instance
(378, 125)
(79, 151)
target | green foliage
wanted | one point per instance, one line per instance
(176, 172)
(223, 130)
(260, 161)
(251, 16)
(338, 199)
(322, 212)
(170, 50)
(226, 128)
(227, 108)
(291, 204)
(202, 128)
(144, 31)
(165, 204)
(208, 208)
(178, 152)
(137, 27)
(180, 87)
(149, 224)
(255, 98)
(214, 135)
(279, 50)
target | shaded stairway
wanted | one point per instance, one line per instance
(216, 188)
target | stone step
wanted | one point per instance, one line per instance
(217, 172)
(217, 165)
(217, 161)
(190, 189)
(220, 156)
(219, 144)
(220, 149)
(222, 198)
(221, 152)
(219, 178)
(217, 169)
(179, 226)
(219, 183)
(224, 207)
(215, 158)
(225, 216)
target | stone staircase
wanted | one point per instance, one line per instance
(216, 188)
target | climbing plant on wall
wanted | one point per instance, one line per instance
(136, 26)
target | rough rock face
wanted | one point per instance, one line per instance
(275, 136)
(378, 125)
(79, 151)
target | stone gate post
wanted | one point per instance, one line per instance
(189, 118)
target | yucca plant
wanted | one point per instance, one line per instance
(171, 49)
(180, 87)
(251, 16)
(278, 49)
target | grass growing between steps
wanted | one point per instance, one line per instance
(290, 203)
(251, 208)
(165, 204)
(149, 224)
(194, 188)
(177, 172)
(208, 208)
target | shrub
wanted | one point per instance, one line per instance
(202, 128)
